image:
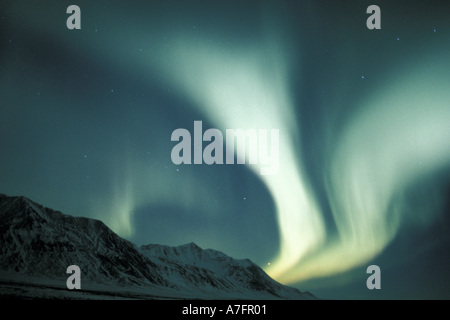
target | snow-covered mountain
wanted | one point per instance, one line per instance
(37, 245)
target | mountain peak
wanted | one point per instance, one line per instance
(192, 245)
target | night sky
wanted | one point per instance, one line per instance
(363, 117)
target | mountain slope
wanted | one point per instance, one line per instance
(217, 270)
(41, 243)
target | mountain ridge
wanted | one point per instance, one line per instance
(40, 242)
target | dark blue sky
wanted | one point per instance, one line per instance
(363, 115)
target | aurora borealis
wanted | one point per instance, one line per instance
(363, 119)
